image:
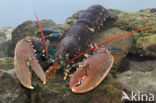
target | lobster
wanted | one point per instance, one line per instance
(91, 69)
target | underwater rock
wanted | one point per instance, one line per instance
(144, 42)
(153, 10)
(2, 37)
(141, 76)
(57, 91)
(4, 49)
(7, 31)
(2, 46)
(6, 63)
(28, 28)
(124, 43)
(72, 20)
(148, 10)
(5, 37)
(143, 65)
(146, 45)
(144, 82)
(10, 87)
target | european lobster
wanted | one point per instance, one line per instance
(90, 72)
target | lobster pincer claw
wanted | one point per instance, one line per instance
(25, 60)
(91, 74)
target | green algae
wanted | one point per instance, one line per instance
(6, 63)
(142, 40)
(57, 91)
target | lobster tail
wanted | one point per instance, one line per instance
(95, 17)
(78, 38)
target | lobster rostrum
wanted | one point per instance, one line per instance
(90, 72)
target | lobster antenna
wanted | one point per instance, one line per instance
(81, 54)
(45, 47)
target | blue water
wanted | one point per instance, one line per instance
(14, 12)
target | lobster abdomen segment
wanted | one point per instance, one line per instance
(95, 16)
(82, 31)
(76, 40)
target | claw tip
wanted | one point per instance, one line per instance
(73, 90)
(31, 87)
(44, 82)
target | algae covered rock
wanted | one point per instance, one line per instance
(7, 31)
(147, 45)
(28, 28)
(10, 88)
(4, 49)
(6, 63)
(144, 42)
(5, 34)
(72, 20)
(57, 91)
(141, 76)
(144, 82)
(2, 37)
(5, 37)
(124, 43)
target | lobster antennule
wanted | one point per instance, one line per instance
(42, 35)
(54, 72)
(53, 68)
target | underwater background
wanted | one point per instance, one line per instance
(134, 67)
(16, 11)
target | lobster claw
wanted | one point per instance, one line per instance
(91, 72)
(24, 60)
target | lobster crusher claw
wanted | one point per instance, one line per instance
(25, 61)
